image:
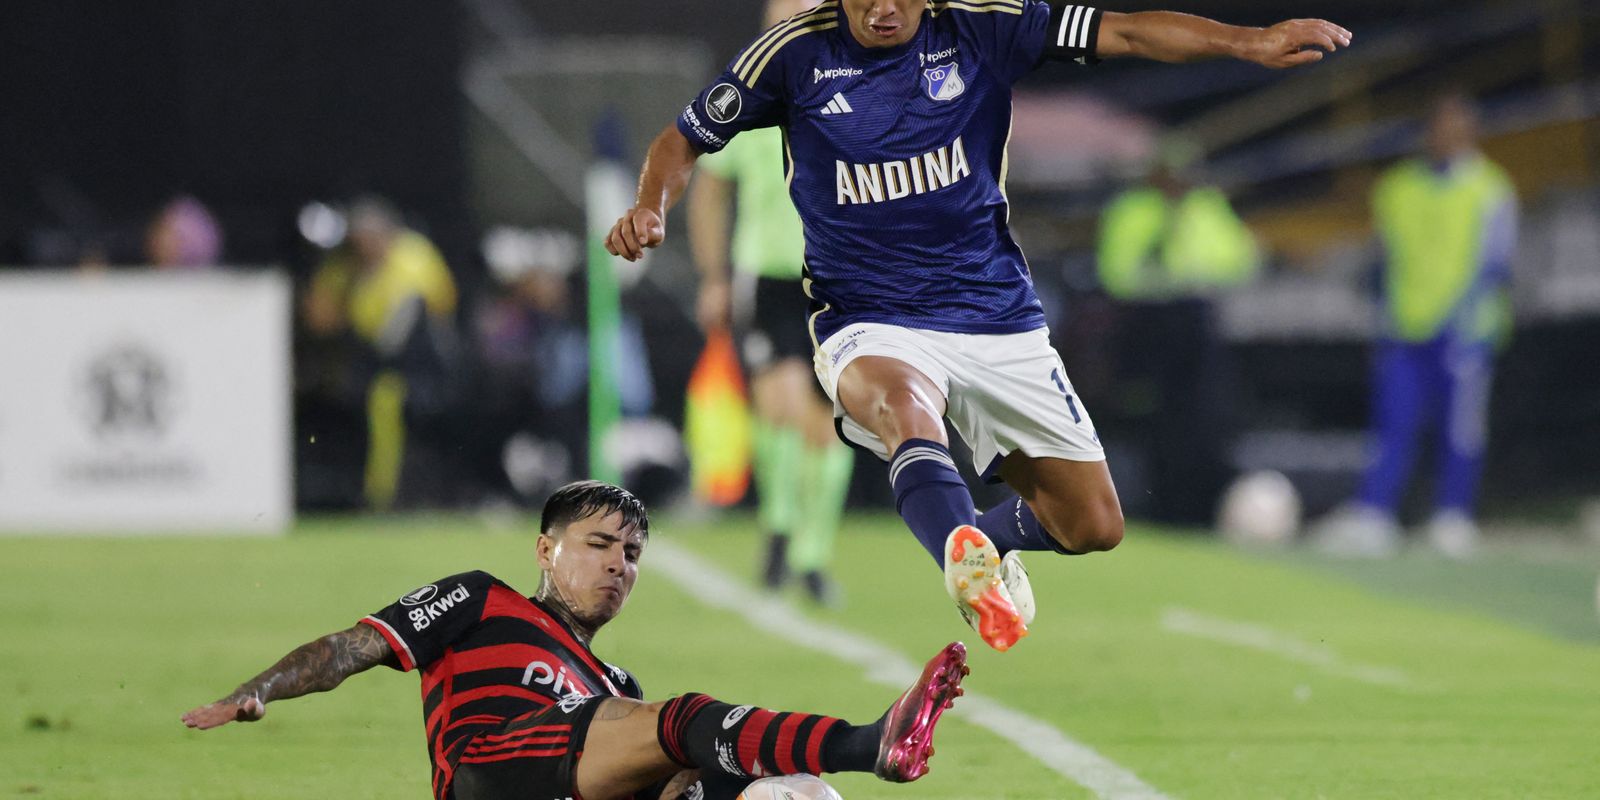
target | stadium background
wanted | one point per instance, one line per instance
(474, 116)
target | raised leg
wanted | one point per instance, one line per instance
(1073, 503)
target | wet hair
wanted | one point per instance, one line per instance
(580, 499)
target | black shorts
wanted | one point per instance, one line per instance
(531, 757)
(772, 323)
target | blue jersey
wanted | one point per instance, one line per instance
(896, 157)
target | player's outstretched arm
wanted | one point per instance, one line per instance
(312, 667)
(666, 172)
(1173, 37)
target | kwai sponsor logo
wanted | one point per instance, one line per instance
(423, 615)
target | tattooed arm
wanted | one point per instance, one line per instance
(312, 667)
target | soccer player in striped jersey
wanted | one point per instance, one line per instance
(895, 116)
(516, 704)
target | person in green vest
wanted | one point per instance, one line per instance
(1166, 248)
(802, 470)
(1171, 238)
(1448, 225)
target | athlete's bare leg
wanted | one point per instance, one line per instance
(818, 418)
(894, 400)
(784, 396)
(786, 393)
(782, 393)
(621, 754)
(1075, 501)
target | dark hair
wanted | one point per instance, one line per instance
(579, 499)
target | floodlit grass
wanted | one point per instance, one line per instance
(104, 642)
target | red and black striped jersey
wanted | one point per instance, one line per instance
(487, 654)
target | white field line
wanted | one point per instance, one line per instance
(1282, 645)
(1072, 759)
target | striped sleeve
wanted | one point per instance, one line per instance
(427, 620)
(402, 650)
(1014, 37)
(1071, 33)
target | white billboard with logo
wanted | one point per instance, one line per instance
(144, 402)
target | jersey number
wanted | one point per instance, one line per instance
(1072, 406)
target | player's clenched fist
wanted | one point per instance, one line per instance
(637, 229)
(1296, 42)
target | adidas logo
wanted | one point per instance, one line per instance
(838, 105)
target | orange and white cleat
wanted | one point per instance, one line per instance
(972, 576)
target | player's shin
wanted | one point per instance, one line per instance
(697, 731)
(929, 493)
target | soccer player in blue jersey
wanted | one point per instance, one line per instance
(895, 116)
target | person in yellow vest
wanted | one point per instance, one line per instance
(802, 470)
(1173, 239)
(1166, 249)
(1447, 222)
(389, 286)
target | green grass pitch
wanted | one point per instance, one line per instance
(1306, 679)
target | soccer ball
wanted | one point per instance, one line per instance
(1260, 508)
(789, 787)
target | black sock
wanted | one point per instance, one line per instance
(696, 731)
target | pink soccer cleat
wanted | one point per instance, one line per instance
(907, 741)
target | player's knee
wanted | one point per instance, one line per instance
(906, 413)
(1101, 531)
(1094, 528)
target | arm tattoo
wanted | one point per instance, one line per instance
(319, 666)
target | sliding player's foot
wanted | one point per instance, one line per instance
(972, 577)
(907, 740)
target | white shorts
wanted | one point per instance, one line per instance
(1004, 392)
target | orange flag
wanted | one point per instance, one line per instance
(716, 427)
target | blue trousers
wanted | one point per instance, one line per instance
(1438, 388)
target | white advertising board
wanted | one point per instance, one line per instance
(144, 402)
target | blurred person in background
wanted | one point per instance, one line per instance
(1166, 249)
(802, 470)
(531, 337)
(184, 235)
(1447, 222)
(389, 287)
(534, 341)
